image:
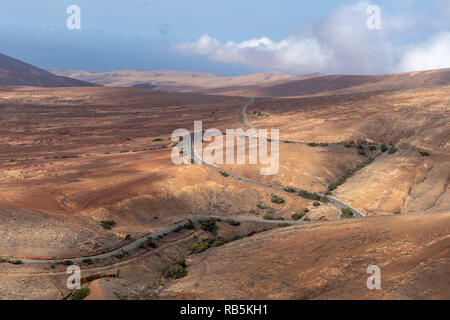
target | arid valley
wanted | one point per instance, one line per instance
(86, 178)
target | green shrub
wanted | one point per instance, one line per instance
(308, 195)
(298, 216)
(289, 189)
(346, 213)
(283, 225)
(175, 270)
(383, 148)
(392, 150)
(276, 199)
(424, 153)
(150, 243)
(234, 223)
(268, 217)
(224, 174)
(209, 225)
(189, 225)
(324, 199)
(200, 247)
(361, 152)
(157, 139)
(316, 203)
(397, 212)
(108, 224)
(332, 187)
(261, 206)
(88, 261)
(348, 145)
(80, 294)
(67, 262)
(372, 148)
(313, 144)
(15, 261)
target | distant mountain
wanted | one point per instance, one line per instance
(266, 84)
(14, 72)
(339, 84)
(179, 81)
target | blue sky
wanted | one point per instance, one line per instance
(297, 36)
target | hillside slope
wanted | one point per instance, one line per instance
(327, 261)
(339, 84)
(14, 72)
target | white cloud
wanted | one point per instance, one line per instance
(340, 43)
(433, 54)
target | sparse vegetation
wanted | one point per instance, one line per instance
(80, 294)
(175, 270)
(234, 223)
(424, 153)
(188, 226)
(209, 225)
(346, 213)
(88, 261)
(289, 189)
(324, 199)
(392, 150)
(308, 195)
(283, 225)
(261, 206)
(297, 216)
(268, 217)
(157, 139)
(17, 261)
(108, 224)
(316, 203)
(350, 173)
(206, 244)
(397, 212)
(224, 174)
(276, 199)
(66, 262)
(383, 148)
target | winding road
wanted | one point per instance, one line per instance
(335, 201)
(173, 227)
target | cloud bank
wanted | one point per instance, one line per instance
(340, 43)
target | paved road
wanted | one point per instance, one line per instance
(155, 235)
(335, 201)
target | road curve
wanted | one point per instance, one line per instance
(335, 201)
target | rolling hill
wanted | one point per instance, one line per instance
(342, 84)
(14, 72)
(181, 81)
